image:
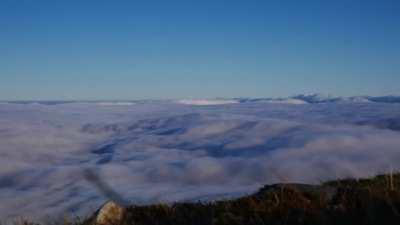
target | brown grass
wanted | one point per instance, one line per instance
(373, 201)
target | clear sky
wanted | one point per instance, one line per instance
(109, 49)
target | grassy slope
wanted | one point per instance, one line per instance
(366, 201)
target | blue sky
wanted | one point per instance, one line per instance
(193, 49)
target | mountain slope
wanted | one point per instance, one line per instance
(366, 201)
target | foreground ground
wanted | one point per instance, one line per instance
(365, 201)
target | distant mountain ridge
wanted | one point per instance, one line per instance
(314, 98)
(317, 98)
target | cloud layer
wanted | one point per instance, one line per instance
(164, 151)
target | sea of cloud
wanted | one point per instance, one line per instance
(165, 151)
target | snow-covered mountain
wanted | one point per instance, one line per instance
(320, 98)
(296, 100)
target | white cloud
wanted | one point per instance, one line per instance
(291, 101)
(115, 103)
(205, 102)
(168, 152)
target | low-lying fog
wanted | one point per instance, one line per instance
(171, 151)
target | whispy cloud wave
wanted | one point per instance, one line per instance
(163, 151)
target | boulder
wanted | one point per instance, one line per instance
(110, 213)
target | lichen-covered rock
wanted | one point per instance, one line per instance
(109, 214)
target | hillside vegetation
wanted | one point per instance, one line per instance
(372, 201)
